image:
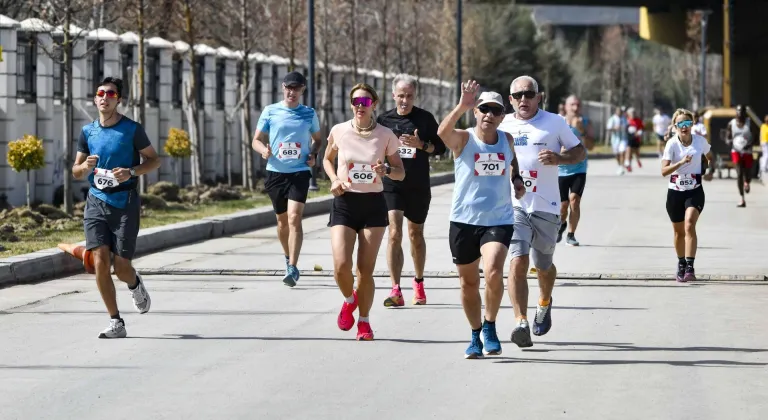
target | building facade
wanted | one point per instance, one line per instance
(32, 87)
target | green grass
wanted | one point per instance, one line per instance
(36, 240)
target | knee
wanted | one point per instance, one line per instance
(101, 258)
(395, 234)
(123, 267)
(690, 228)
(575, 201)
(365, 268)
(468, 284)
(282, 221)
(564, 207)
(294, 220)
(518, 267)
(416, 235)
(342, 265)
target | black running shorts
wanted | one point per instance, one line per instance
(679, 201)
(115, 227)
(359, 210)
(466, 240)
(572, 184)
(413, 203)
(282, 187)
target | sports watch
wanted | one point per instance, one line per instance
(133, 172)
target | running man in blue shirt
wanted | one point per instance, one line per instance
(573, 177)
(288, 136)
(109, 153)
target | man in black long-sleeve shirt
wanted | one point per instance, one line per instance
(417, 130)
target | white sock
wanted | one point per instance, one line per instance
(350, 299)
(363, 319)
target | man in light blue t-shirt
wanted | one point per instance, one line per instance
(572, 178)
(288, 137)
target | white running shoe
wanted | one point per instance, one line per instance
(116, 329)
(141, 299)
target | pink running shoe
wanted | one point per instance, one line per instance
(347, 316)
(395, 298)
(364, 331)
(419, 296)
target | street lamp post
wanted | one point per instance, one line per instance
(703, 92)
(311, 75)
(458, 49)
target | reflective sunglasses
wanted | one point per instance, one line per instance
(684, 124)
(110, 93)
(495, 110)
(362, 100)
(529, 94)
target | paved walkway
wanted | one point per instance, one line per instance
(246, 347)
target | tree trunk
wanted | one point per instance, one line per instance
(399, 36)
(142, 99)
(384, 63)
(29, 201)
(245, 96)
(353, 22)
(292, 39)
(197, 157)
(179, 169)
(67, 113)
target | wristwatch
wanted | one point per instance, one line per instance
(133, 172)
(389, 170)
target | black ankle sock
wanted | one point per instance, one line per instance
(689, 261)
(477, 330)
(419, 280)
(489, 322)
(116, 316)
(570, 234)
(135, 285)
(681, 261)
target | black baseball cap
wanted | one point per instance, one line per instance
(294, 79)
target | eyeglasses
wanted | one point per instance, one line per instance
(362, 100)
(684, 124)
(495, 110)
(529, 94)
(109, 93)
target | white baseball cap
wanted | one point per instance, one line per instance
(491, 97)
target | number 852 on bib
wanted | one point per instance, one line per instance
(490, 164)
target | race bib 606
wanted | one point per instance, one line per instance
(490, 164)
(359, 173)
(289, 151)
(104, 178)
(529, 180)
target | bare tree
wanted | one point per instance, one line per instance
(190, 90)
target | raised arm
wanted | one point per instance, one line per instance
(454, 139)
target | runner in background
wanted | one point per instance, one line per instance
(635, 129)
(359, 210)
(661, 123)
(739, 136)
(288, 138)
(409, 198)
(572, 178)
(617, 130)
(764, 145)
(682, 163)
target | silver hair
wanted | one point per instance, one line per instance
(528, 79)
(405, 78)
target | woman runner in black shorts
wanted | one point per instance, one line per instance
(682, 163)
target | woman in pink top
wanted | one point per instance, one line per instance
(359, 210)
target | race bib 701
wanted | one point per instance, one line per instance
(359, 173)
(104, 178)
(490, 164)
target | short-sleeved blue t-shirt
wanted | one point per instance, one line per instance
(575, 168)
(290, 134)
(117, 147)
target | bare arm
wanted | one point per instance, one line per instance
(260, 140)
(573, 155)
(454, 139)
(517, 180)
(317, 141)
(151, 161)
(80, 168)
(328, 160)
(667, 167)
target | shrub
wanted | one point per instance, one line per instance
(26, 154)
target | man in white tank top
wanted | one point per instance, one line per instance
(739, 136)
(539, 138)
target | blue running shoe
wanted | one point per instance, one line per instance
(491, 340)
(475, 349)
(291, 276)
(542, 322)
(521, 335)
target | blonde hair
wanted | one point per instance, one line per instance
(683, 112)
(366, 87)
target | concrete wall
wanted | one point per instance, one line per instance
(43, 114)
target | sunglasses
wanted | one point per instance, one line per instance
(684, 124)
(362, 100)
(495, 110)
(109, 93)
(529, 94)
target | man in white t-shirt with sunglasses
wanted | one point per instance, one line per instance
(539, 138)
